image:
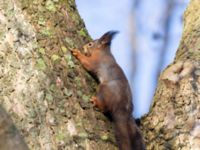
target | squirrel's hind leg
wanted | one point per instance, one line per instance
(98, 103)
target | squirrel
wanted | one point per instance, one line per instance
(113, 95)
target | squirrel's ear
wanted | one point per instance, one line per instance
(107, 37)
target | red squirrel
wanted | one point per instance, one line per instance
(113, 95)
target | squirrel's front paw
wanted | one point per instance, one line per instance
(75, 52)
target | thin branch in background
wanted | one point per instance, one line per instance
(132, 35)
(167, 19)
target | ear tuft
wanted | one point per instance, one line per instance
(107, 37)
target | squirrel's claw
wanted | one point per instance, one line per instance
(93, 101)
(75, 52)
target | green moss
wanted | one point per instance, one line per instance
(83, 135)
(79, 93)
(67, 92)
(83, 99)
(32, 114)
(41, 51)
(64, 49)
(53, 87)
(40, 64)
(50, 6)
(82, 32)
(86, 98)
(46, 31)
(41, 21)
(60, 136)
(49, 97)
(70, 63)
(55, 57)
(105, 137)
(69, 42)
(10, 13)
(78, 82)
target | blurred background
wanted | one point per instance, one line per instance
(150, 31)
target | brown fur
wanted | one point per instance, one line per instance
(114, 94)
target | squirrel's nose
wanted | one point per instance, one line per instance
(85, 50)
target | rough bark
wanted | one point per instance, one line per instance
(173, 121)
(42, 87)
(9, 136)
(46, 91)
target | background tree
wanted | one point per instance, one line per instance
(47, 92)
(173, 121)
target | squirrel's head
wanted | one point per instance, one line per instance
(103, 42)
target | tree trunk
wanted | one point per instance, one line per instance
(47, 92)
(10, 138)
(43, 88)
(173, 121)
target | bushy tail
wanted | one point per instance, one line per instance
(127, 134)
(135, 136)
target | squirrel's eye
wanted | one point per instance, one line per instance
(90, 44)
